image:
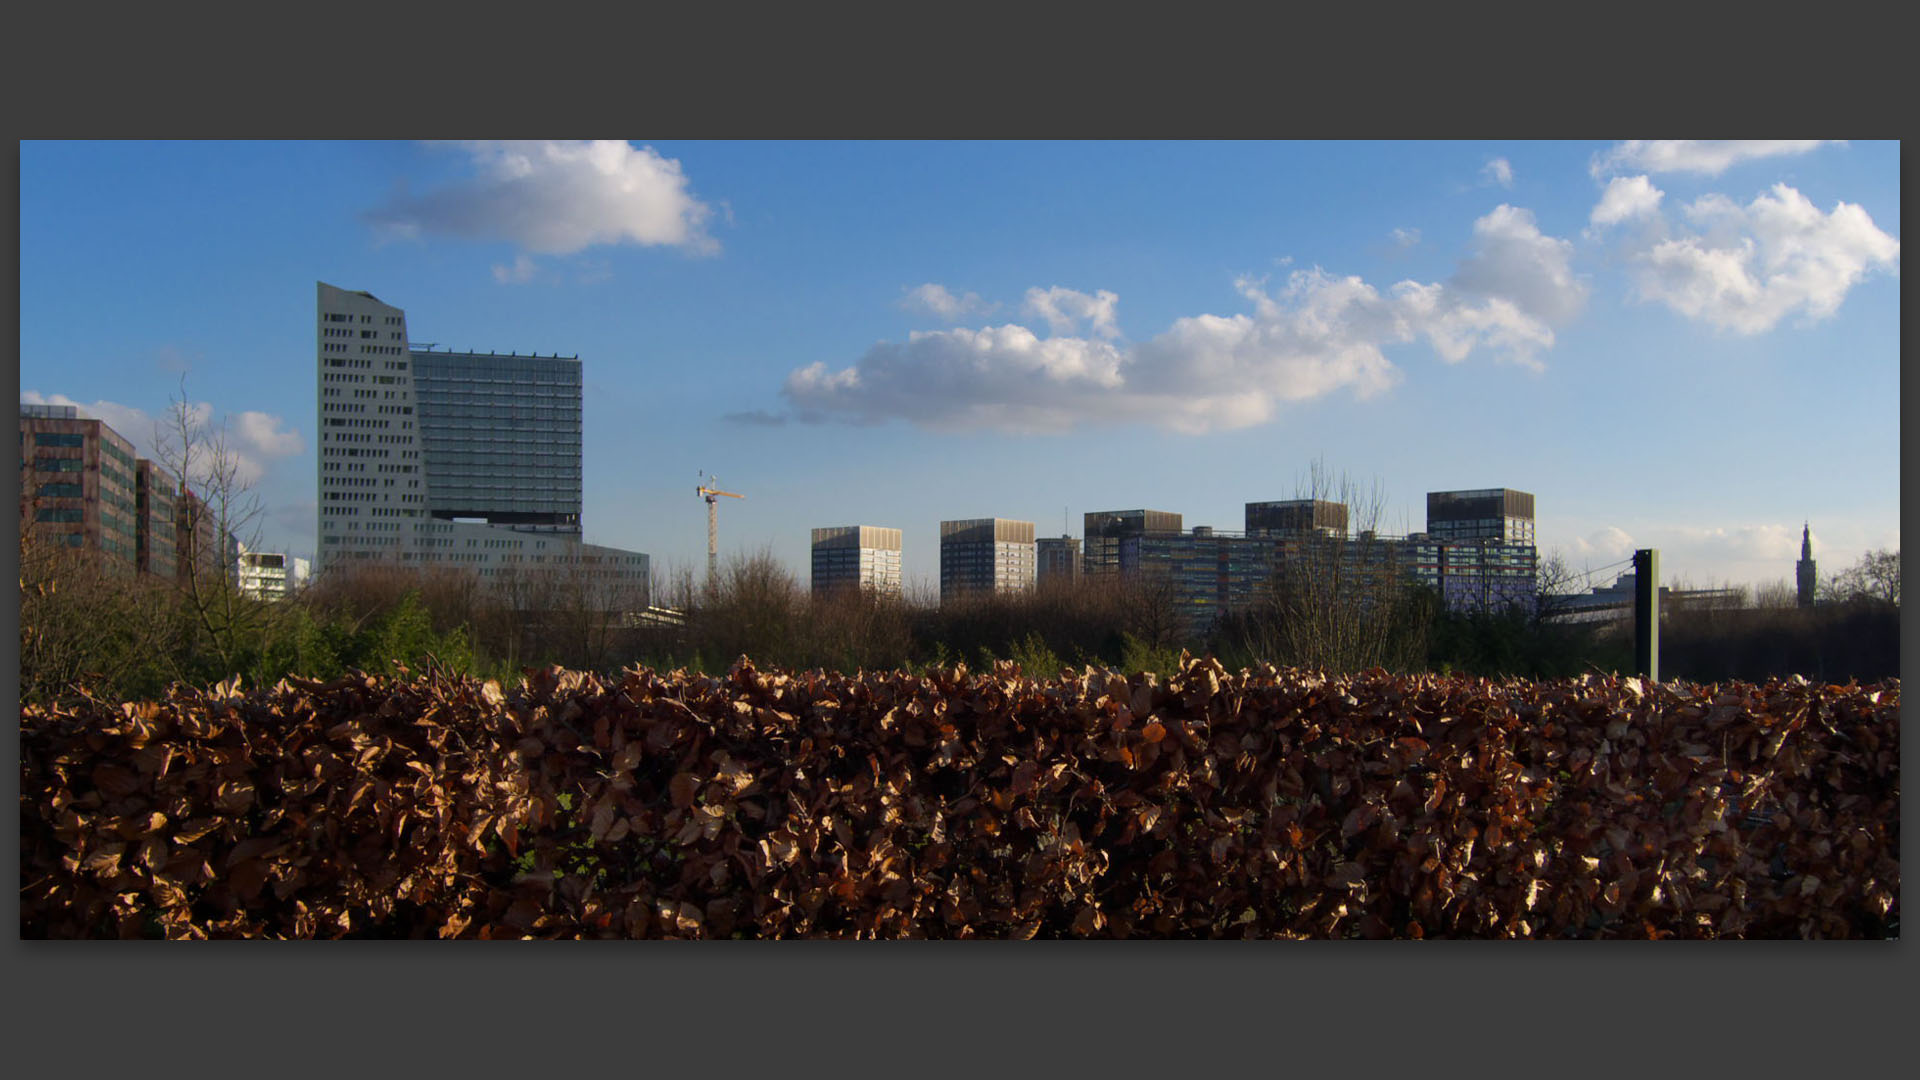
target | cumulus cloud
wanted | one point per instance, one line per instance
(1498, 171)
(1406, 238)
(1626, 198)
(1512, 258)
(253, 439)
(1711, 157)
(936, 300)
(1316, 335)
(1746, 268)
(266, 435)
(1066, 309)
(1602, 547)
(558, 197)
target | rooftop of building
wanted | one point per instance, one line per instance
(434, 349)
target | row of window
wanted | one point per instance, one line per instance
(59, 438)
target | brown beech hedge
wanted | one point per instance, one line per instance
(770, 804)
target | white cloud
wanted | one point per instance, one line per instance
(935, 300)
(1515, 260)
(1406, 238)
(266, 435)
(1599, 548)
(558, 197)
(1498, 171)
(1318, 335)
(1710, 157)
(253, 439)
(1066, 309)
(1626, 198)
(1746, 268)
(519, 273)
(134, 425)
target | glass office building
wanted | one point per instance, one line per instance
(500, 437)
(1478, 550)
(1105, 529)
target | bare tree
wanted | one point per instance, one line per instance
(218, 513)
(1339, 601)
(1775, 594)
(1555, 585)
(1874, 579)
(83, 625)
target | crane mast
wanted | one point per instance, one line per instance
(709, 490)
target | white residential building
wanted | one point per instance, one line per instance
(270, 575)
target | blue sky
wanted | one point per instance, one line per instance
(1691, 346)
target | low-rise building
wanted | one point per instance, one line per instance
(270, 575)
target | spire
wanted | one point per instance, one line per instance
(1803, 571)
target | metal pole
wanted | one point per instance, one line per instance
(1646, 613)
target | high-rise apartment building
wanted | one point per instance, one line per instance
(1056, 558)
(449, 458)
(1105, 529)
(856, 557)
(985, 555)
(1478, 550)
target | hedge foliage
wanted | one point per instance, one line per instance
(956, 804)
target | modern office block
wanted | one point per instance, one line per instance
(985, 555)
(1208, 573)
(462, 459)
(1104, 529)
(1056, 559)
(856, 557)
(156, 498)
(79, 485)
(1479, 550)
(500, 438)
(1481, 514)
(1291, 517)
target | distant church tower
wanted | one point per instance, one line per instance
(1803, 570)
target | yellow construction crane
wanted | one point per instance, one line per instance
(708, 490)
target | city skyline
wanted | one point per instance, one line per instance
(1653, 338)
